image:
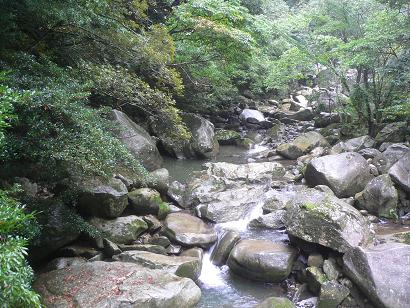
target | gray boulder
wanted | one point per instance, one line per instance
(252, 118)
(63, 262)
(394, 132)
(137, 140)
(385, 160)
(189, 267)
(323, 219)
(346, 174)
(145, 201)
(382, 273)
(159, 180)
(188, 230)
(301, 145)
(121, 230)
(400, 173)
(224, 246)
(353, 145)
(274, 220)
(379, 197)
(203, 143)
(369, 153)
(262, 260)
(102, 198)
(115, 284)
(325, 119)
(332, 294)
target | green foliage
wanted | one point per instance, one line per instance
(16, 229)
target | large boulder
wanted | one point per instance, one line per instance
(353, 145)
(274, 220)
(262, 260)
(385, 160)
(188, 230)
(56, 230)
(102, 198)
(159, 180)
(301, 145)
(115, 284)
(137, 140)
(346, 174)
(189, 267)
(325, 119)
(394, 132)
(252, 118)
(145, 201)
(321, 218)
(400, 172)
(121, 230)
(203, 143)
(379, 197)
(225, 192)
(382, 273)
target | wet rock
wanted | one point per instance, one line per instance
(308, 303)
(276, 302)
(332, 294)
(145, 201)
(63, 262)
(188, 267)
(262, 260)
(302, 145)
(137, 140)
(346, 174)
(382, 273)
(389, 157)
(193, 252)
(394, 132)
(323, 219)
(159, 180)
(353, 145)
(369, 153)
(224, 246)
(189, 230)
(379, 197)
(400, 172)
(121, 230)
(274, 220)
(252, 118)
(227, 137)
(101, 198)
(115, 284)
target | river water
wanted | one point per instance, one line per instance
(221, 288)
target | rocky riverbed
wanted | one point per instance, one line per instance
(286, 215)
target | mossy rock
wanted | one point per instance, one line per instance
(245, 143)
(227, 137)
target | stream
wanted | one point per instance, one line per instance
(220, 287)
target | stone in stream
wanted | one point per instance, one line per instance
(262, 260)
(223, 247)
(121, 230)
(137, 140)
(301, 145)
(346, 174)
(189, 267)
(189, 230)
(379, 197)
(227, 137)
(276, 302)
(321, 218)
(385, 160)
(102, 198)
(274, 220)
(400, 173)
(382, 273)
(353, 145)
(226, 192)
(115, 284)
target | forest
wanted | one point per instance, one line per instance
(66, 65)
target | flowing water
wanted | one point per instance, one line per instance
(221, 288)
